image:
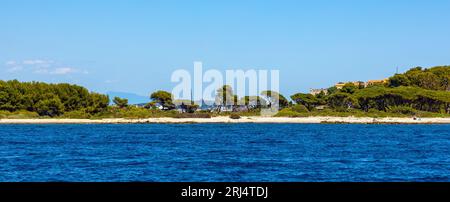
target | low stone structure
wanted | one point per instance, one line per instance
(318, 91)
(340, 85)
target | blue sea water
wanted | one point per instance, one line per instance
(224, 152)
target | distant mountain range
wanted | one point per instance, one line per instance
(132, 97)
(140, 99)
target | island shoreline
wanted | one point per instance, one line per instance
(224, 119)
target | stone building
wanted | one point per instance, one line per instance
(318, 91)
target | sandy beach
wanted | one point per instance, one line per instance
(223, 119)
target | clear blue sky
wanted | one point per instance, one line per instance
(133, 46)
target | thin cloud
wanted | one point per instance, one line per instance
(10, 63)
(37, 62)
(63, 70)
(40, 66)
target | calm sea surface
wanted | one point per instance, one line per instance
(224, 152)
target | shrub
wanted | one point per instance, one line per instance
(372, 110)
(341, 109)
(235, 116)
(299, 108)
(133, 112)
(193, 115)
(78, 114)
(50, 107)
(402, 110)
(287, 113)
(22, 114)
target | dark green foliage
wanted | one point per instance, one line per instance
(120, 102)
(341, 100)
(49, 99)
(50, 107)
(164, 99)
(235, 116)
(436, 78)
(96, 103)
(253, 102)
(399, 80)
(299, 108)
(308, 100)
(321, 95)
(189, 108)
(349, 88)
(382, 98)
(402, 110)
(418, 91)
(288, 112)
(332, 90)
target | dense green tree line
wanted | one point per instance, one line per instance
(120, 102)
(382, 98)
(416, 90)
(49, 99)
(436, 78)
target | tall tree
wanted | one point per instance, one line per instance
(349, 88)
(224, 97)
(399, 80)
(308, 100)
(332, 90)
(273, 97)
(253, 102)
(120, 102)
(164, 99)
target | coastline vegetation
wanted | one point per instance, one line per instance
(26, 99)
(418, 92)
